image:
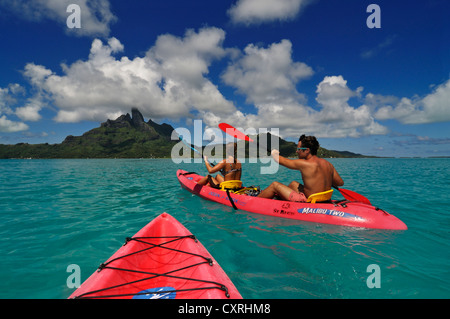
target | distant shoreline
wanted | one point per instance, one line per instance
(212, 159)
(130, 137)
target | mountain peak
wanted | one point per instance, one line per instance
(137, 119)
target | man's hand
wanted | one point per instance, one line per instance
(276, 155)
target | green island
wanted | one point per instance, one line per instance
(129, 136)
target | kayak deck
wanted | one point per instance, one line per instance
(344, 213)
(162, 261)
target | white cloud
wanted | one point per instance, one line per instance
(436, 106)
(96, 15)
(268, 78)
(30, 112)
(187, 59)
(168, 82)
(259, 11)
(36, 73)
(5, 100)
(8, 98)
(171, 81)
(267, 75)
(8, 126)
(433, 108)
(339, 117)
(374, 101)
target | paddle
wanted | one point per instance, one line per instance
(193, 148)
(230, 130)
(348, 194)
(189, 145)
(227, 128)
(353, 196)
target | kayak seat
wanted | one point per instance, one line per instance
(233, 184)
(320, 197)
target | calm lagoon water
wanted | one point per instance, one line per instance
(55, 213)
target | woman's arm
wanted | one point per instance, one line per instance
(213, 169)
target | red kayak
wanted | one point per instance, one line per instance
(344, 213)
(162, 261)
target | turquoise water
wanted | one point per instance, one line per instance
(55, 213)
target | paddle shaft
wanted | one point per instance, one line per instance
(194, 150)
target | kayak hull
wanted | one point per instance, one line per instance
(172, 264)
(344, 213)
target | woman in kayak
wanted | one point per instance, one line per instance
(230, 168)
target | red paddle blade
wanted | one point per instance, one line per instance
(353, 196)
(230, 130)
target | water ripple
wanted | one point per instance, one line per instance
(58, 212)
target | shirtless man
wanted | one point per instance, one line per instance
(318, 174)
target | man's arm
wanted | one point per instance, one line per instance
(286, 162)
(337, 179)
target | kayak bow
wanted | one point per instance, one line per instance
(162, 261)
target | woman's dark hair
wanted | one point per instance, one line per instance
(310, 142)
(231, 150)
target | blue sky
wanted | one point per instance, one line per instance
(302, 66)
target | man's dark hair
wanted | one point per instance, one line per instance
(310, 142)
